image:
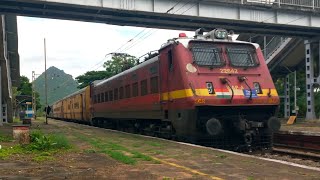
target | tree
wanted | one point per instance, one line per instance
(119, 63)
(25, 87)
(90, 76)
(23, 93)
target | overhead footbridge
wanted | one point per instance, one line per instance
(276, 17)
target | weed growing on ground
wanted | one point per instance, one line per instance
(168, 178)
(155, 144)
(90, 151)
(41, 142)
(4, 138)
(42, 146)
(117, 151)
(222, 156)
(7, 152)
(250, 178)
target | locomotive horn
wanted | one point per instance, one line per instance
(214, 126)
(274, 124)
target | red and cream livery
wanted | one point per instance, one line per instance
(208, 87)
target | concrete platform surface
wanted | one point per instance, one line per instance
(155, 159)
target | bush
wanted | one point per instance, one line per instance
(41, 142)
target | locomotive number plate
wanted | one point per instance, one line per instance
(229, 71)
(200, 101)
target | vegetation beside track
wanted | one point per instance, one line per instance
(116, 151)
(42, 147)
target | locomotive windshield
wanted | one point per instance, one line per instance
(206, 54)
(242, 56)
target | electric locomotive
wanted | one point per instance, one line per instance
(208, 89)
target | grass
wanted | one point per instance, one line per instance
(42, 146)
(7, 152)
(5, 138)
(155, 144)
(116, 151)
(222, 156)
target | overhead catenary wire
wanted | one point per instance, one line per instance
(143, 37)
(157, 30)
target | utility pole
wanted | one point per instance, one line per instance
(45, 77)
(34, 105)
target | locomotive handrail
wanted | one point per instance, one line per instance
(226, 81)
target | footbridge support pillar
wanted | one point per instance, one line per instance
(312, 50)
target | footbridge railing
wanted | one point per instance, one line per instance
(314, 4)
(275, 46)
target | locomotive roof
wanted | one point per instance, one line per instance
(185, 41)
(149, 61)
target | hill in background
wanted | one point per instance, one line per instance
(60, 85)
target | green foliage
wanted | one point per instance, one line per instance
(41, 142)
(59, 83)
(4, 138)
(90, 76)
(301, 95)
(120, 156)
(116, 151)
(25, 89)
(7, 152)
(222, 156)
(119, 63)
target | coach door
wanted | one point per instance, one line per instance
(82, 107)
(166, 71)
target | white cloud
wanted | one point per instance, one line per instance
(76, 47)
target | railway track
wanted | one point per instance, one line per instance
(298, 144)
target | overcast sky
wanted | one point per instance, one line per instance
(78, 47)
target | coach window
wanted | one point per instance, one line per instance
(106, 96)
(110, 95)
(127, 89)
(144, 87)
(154, 85)
(99, 99)
(102, 97)
(115, 94)
(135, 91)
(121, 93)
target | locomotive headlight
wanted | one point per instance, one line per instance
(210, 88)
(257, 87)
(221, 34)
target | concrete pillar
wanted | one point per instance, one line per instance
(287, 97)
(310, 80)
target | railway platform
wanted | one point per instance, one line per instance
(305, 127)
(106, 154)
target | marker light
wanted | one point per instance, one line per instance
(182, 35)
(257, 87)
(210, 87)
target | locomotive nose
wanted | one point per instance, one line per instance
(214, 126)
(274, 124)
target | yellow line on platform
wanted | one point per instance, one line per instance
(187, 169)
